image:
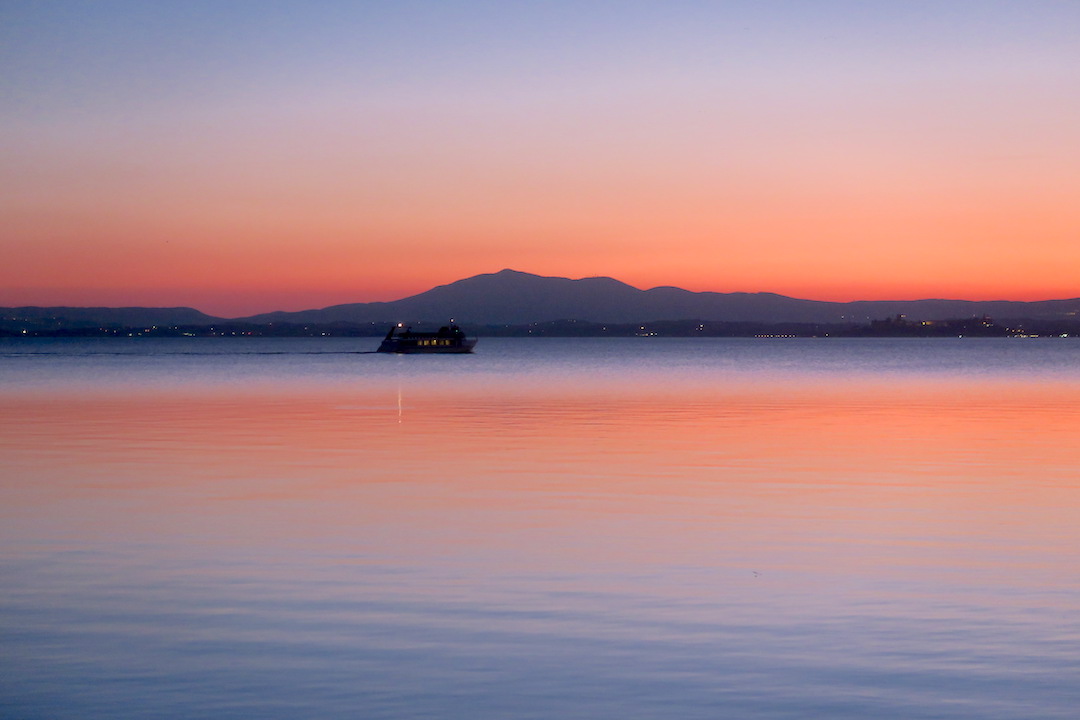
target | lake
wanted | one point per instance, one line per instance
(549, 528)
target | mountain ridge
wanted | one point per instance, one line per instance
(513, 297)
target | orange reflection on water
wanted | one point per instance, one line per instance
(844, 482)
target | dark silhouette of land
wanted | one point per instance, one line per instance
(510, 297)
(512, 303)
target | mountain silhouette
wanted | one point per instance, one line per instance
(511, 297)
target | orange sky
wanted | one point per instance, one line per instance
(244, 163)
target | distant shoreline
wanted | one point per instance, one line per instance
(891, 327)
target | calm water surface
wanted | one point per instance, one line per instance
(549, 528)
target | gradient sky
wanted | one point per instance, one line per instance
(242, 157)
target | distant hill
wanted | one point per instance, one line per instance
(56, 318)
(512, 297)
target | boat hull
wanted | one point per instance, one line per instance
(404, 347)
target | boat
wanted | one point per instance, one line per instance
(448, 339)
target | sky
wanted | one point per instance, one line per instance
(243, 157)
